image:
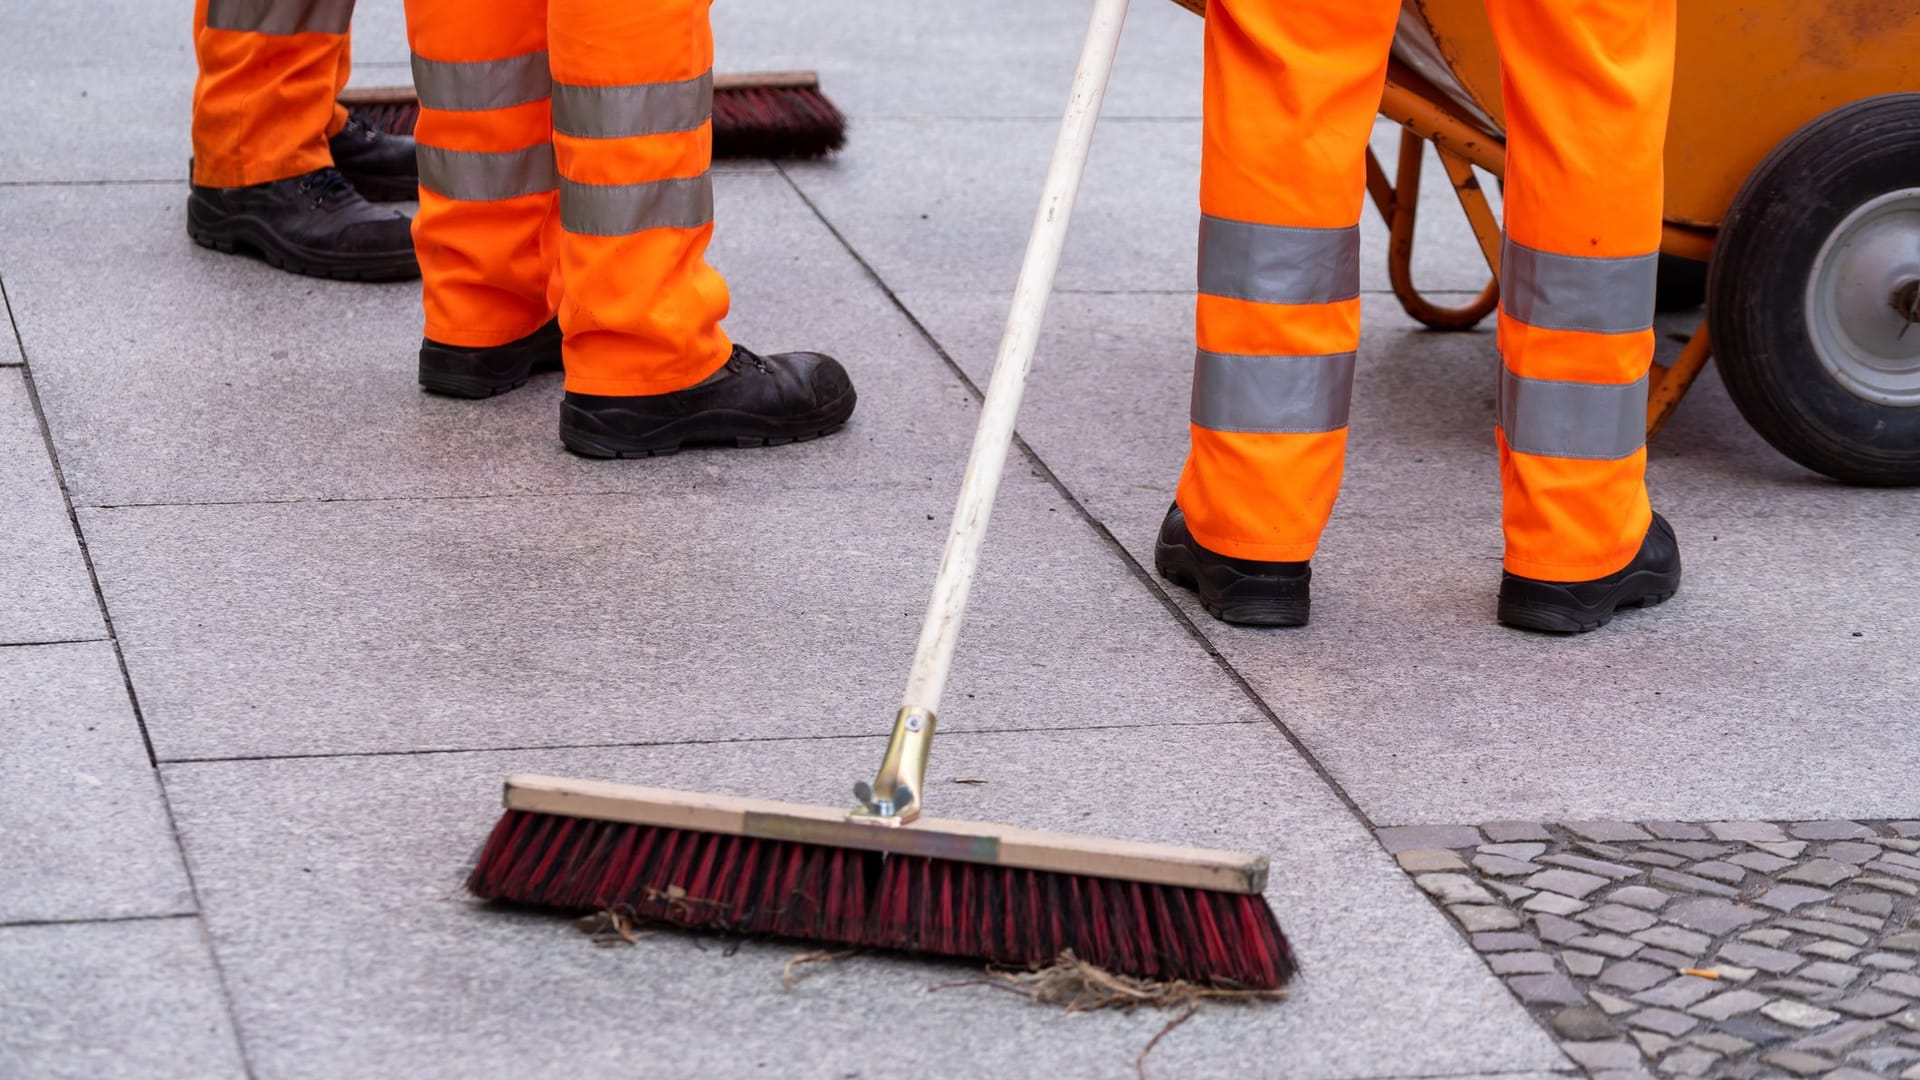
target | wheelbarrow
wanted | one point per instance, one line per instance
(1792, 180)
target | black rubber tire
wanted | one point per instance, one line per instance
(1756, 289)
(1682, 284)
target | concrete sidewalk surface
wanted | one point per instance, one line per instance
(274, 625)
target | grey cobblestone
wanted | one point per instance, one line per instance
(1730, 949)
(1502, 866)
(1872, 1005)
(1672, 937)
(1711, 915)
(1750, 831)
(1792, 897)
(1428, 860)
(1899, 984)
(1828, 830)
(1618, 918)
(1503, 832)
(1552, 903)
(1677, 993)
(1825, 873)
(1889, 962)
(1571, 883)
(1776, 961)
(1639, 896)
(1853, 853)
(1633, 976)
(1674, 879)
(1873, 904)
(1584, 964)
(1799, 1062)
(1730, 1004)
(1605, 831)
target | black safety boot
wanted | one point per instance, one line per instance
(314, 224)
(752, 400)
(380, 166)
(1239, 591)
(460, 371)
(1574, 607)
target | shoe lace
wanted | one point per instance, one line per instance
(326, 185)
(745, 356)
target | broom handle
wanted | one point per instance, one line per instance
(895, 792)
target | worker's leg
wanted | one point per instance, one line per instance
(633, 136)
(1586, 87)
(648, 367)
(1291, 93)
(264, 181)
(265, 101)
(485, 230)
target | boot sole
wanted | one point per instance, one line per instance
(449, 377)
(1642, 590)
(250, 236)
(735, 429)
(1175, 564)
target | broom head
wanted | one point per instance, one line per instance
(951, 888)
(773, 114)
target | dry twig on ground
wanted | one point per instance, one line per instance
(790, 974)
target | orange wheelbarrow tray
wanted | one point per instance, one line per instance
(1792, 210)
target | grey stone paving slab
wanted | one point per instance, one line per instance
(45, 593)
(1483, 723)
(472, 623)
(106, 95)
(114, 999)
(962, 230)
(83, 832)
(174, 374)
(368, 854)
(981, 58)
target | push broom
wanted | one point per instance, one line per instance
(883, 875)
(763, 114)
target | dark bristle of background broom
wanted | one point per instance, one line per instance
(785, 122)
(846, 897)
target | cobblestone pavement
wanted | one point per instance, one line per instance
(1729, 948)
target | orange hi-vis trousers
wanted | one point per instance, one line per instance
(266, 101)
(600, 110)
(1292, 87)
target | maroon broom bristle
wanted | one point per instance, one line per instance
(784, 122)
(847, 897)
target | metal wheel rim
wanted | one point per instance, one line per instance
(1861, 300)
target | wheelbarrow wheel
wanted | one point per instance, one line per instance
(1814, 294)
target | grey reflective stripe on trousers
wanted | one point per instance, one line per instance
(617, 112)
(281, 16)
(472, 176)
(1593, 421)
(1574, 292)
(1276, 264)
(1269, 394)
(472, 85)
(622, 209)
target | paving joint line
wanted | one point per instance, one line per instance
(88, 183)
(18, 924)
(126, 680)
(1140, 574)
(440, 750)
(56, 641)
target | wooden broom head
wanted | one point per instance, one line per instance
(938, 838)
